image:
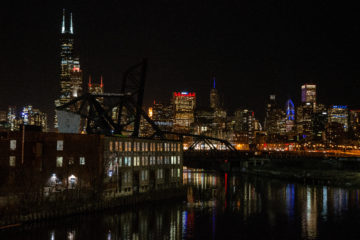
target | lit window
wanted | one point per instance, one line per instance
(59, 161)
(12, 161)
(60, 145)
(159, 173)
(110, 146)
(71, 160)
(136, 161)
(82, 160)
(12, 144)
(116, 146)
(144, 175)
(127, 161)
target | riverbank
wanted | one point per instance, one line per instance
(64, 208)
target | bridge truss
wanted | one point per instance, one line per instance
(121, 113)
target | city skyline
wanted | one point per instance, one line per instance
(185, 44)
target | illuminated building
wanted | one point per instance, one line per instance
(305, 112)
(340, 114)
(163, 116)
(304, 120)
(290, 116)
(214, 97)
(213, 121)
(274, 120)
(3, 120)
(3, 116)
(245, 124)
(70, 73)
(183, 104)
(33, 117)
(320, 119)
(354, 124)
(11, 118)
(96, 87)
(308, 93)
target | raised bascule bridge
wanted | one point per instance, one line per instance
(122, 114)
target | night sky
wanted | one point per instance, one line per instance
(255, 48)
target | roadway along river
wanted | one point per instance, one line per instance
(219, 206)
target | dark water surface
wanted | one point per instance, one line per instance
(219, 206)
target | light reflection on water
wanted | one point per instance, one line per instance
(219, 206)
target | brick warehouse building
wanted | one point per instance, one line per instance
(33, 161)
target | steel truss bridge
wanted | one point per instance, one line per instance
(121, 114)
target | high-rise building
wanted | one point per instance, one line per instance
(3, 116)
(304, 120)
(70, 72)
(274, 119)
(290, 116)
(245, 124)
(183, 104)
(33, 117)
(11, 118)
(320, 120)
(339, 114)
(96, 87)
(354, 124)
(163, 116)
(3, 120)
(308, 93)
(305, 112)
(214, 96)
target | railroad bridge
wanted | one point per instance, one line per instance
(97, 113)
(121, 113)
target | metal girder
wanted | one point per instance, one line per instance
(128, 103)
(205, 139)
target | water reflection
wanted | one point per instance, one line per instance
(219, 206)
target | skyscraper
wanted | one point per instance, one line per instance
(214, 96)
(340, 114)
(33, 117)
(290, 115)
(96, 87)
(354, 124)
(305, 112)
(274, 119)
(183, 104)
(308, 93)
(70, 72)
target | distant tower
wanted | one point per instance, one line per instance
(183, 107)
(308, 93)
(274, 118)
(290, 115)
(214, 96)
(70, 72)
(11, 118)
(96, 87)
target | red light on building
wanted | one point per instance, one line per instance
(184, 94)
(76, 69)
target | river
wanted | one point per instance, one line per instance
(218, 206)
